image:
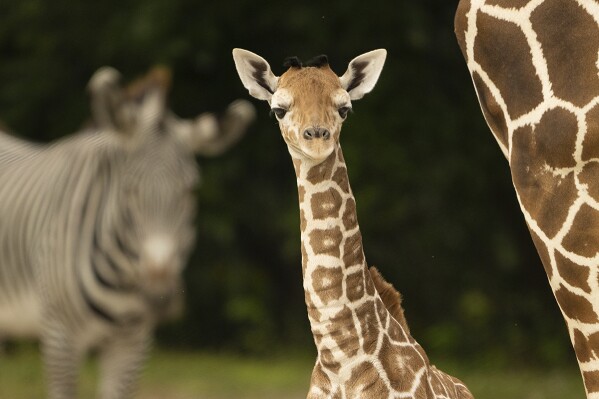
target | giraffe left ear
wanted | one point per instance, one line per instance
(363, 73)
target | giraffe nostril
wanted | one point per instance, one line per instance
(317, 133)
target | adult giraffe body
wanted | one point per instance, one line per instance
(365, 349)
(535, 68)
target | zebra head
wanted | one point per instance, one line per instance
(158, 174)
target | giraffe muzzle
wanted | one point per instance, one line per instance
(317, 133)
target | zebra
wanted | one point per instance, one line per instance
(96, 227)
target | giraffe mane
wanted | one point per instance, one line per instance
(390, 296)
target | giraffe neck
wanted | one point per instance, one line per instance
(363, 351)
(337, 284)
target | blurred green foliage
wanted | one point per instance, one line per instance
(436, 205)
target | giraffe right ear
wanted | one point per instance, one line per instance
(255, 74)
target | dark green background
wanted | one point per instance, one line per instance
(436, 205)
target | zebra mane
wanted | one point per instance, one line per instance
(158, 77)
(4, 127)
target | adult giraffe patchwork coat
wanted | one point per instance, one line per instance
(535, 68)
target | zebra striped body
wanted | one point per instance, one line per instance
(95, 230)
(19, 315)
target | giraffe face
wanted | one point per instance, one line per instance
(310, 102)
(310, 105)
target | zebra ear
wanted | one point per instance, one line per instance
(137, 109)
(107, 99)
(209, 136)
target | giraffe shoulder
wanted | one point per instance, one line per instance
(390, 296)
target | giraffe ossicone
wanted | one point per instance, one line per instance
(365, 349)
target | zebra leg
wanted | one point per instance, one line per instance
(62, 360)
(121, 361)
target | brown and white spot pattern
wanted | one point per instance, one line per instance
(535, 68)
(363, 351)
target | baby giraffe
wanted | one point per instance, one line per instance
(365, 350)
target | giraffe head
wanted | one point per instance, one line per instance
(310, 102)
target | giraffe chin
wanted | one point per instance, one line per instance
(316, 155)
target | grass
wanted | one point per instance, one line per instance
(193, 375)
(519, 382)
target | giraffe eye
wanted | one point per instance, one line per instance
(343, 111)
(279, 112)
